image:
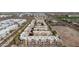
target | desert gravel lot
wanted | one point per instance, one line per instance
(69, 36)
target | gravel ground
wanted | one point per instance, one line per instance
(69, 36)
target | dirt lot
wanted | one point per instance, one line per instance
(69, 36)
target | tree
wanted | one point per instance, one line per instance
(54, 32)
